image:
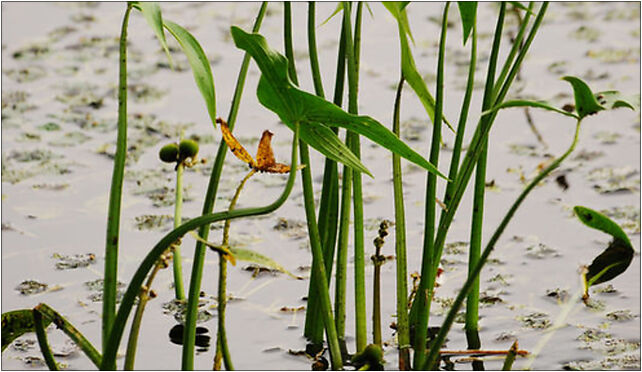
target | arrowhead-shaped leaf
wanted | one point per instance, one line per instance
(277, 92)
(468, 13)
(585, 102)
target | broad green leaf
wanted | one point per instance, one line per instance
(259, 259)
(468, 13)
(16, 323)
(613, 99)
(199, 63)
(152, 13)
(618, 255)
(277, 92)
(525, 103)
(521, 6)
(585, 101)
(408, 67)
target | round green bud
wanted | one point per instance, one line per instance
(169, 153)
(187, 149)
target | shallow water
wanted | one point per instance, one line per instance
(59, 205)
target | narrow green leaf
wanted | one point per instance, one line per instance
(525, 103)
(152, 13)
(613, 99)
(277, 92)
(16, 323)
(468, 13)
(618, 255)
(199, 63)
(259, 259)
(585, 101)
(336, 11)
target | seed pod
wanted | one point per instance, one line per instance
(187, 149)
(169, 153)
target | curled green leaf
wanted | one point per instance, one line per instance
(585, 102)
(152, 13)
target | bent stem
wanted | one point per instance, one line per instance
(148, 262)
(41, 334)
(115, 194)
(431, 361)
(71, 331)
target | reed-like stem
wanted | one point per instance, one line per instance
(424, 294)
(432, 359)
(41, 334)
(329, 204)
(510, 357)
(208, 205)
(73, 333)
(110, 280)
(148, 262)
(403, 328)
(178, 215)
(342, 256)
(472, 308)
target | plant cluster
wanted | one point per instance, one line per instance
(317, 122)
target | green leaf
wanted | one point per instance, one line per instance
(336, 11)
(152, 13)
(259, 259)
(613, 99)
(199, 63)
(277, 92)
(408, 67)
(585, 102)
(526, 103)
(16, 323)
(618, 255)
(468, 13)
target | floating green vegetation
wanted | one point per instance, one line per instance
(608, 180)
(160, 222)
(49, 127)
(28, 137)
(413, 129)
(178, 308)
(60, 33)
(70, 139)
(522, 149)
(23, 344)
(29, 287)
(620, 315)
(67, 262)
(586, 33)
(560, 295)
(13, 173)
(613, 55)
(535, 320)
(32, 52)
(32, 155)
(291, 228)
(80, 94)
(540, 251)
(607, 137)
(586, 155)
(501, 279)
(144, 93)
(26, 74)
(97, 285)
(456, 247)
(15, 102)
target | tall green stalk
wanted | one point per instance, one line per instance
(318, 264)
(116, 334)
(353, 47)
(403, 328)
(41, 334)
(432, 359)
(342, 257)
(208, 205)
(424, 294)
(178, 215)
(115, 194)
(472, 308)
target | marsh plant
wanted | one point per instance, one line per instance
(319, 124)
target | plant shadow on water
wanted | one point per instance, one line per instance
(59, 142)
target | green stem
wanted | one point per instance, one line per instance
(352, 59)
(143, 298)
(403, 328)
(510, 357)
(424, 294)
(328, 209)
(71, 331)
(317, 262)
(178, 211)
(376, 299)
(115, 195)
(208, 206)
(432, 358)
(342, 256)
(221, 344)
(472, 309)
(42, 341)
